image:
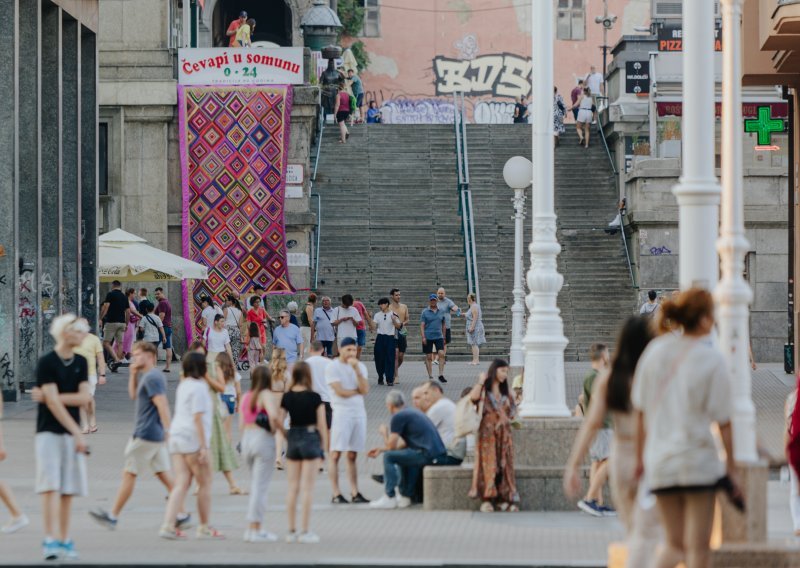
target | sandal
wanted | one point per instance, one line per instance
(237, 491)
(486, 507)
(513, 508)
(279, 465)
(93, 429)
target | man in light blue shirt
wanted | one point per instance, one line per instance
(446, 306)
(287, 336)
(432, 330)
(322, 326)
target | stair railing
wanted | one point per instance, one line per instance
(620, 208)
(315, 234)
(465, 196)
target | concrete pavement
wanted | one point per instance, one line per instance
(350, 534)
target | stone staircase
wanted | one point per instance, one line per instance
(390, 219)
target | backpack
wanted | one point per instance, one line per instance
(352, 103)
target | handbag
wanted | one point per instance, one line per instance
(262, 420)
(468, 416)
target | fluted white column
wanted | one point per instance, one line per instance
(733, 295)
(544, 392)
(516, 356)
(698, 191)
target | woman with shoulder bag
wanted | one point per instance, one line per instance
(258, 422)
(680, 390)
(494, 480)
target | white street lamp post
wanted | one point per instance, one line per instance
(544, 393)
(518, 173)
(733, 295)
(698, 191)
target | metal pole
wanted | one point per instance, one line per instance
(653, 114)
(516, 356)
(544, 393)
(733, 295)
(698, 191)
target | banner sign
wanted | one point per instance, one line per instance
(240, 66)
(637, 77)
(670, 38)
(749, 110)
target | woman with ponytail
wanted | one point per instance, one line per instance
(680, 390)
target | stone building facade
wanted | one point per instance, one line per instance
(48, 175)
(140, 177)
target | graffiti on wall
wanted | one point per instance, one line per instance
(499, 75)
(418, 111)
(27, 316)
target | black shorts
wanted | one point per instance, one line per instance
(303, 443)
(342, 115)
(447, 337)
(428, 346)
(402, 343)
(328, 414)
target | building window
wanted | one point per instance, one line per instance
(571, 20)
(372, 18)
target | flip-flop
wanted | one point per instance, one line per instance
(93, 429)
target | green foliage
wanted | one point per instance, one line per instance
(351, 13)
(361, 55)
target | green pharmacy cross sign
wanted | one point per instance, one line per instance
(764, 126)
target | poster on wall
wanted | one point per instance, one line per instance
(637, 77)
(240, 66)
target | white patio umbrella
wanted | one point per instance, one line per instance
(128, 258)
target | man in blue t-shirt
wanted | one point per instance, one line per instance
(432, 327)
(287, 336)
(402, 465)
(146, 450)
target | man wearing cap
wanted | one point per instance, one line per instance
(231, 33)
(432, 329)
(347, 379)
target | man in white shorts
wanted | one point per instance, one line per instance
(347, 379)
(62, 388)
(146, 450)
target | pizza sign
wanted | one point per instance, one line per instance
(670, 38)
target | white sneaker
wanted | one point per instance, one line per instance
(262, 536)
(308, 538)
(291, 538)
(403, 502)
(385, 502)
(15, 524)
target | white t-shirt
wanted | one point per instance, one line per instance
(682, 386)
(342, 373)
(443, 415)
(192, 397)
(346, 328)
(318, 366)
(209, 314)
(230, 388)
(385, 322)
(217, 340)
(234, 317)
(593, 81)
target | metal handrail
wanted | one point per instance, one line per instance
(620, 211)
(465, 196)
(317, 229)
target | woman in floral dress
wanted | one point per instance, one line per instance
(493, 479)
(559, 111)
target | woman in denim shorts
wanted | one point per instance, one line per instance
(306, 438)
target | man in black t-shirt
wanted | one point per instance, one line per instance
(114, 317)
(62, 388)
(521, 111)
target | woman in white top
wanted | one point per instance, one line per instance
(234, 323)
(680, 390)
(217, 341)
(189, 439)
(210, 311)
(584, 121)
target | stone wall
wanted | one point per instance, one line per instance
(654, 243)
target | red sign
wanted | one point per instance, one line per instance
(749, 110)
